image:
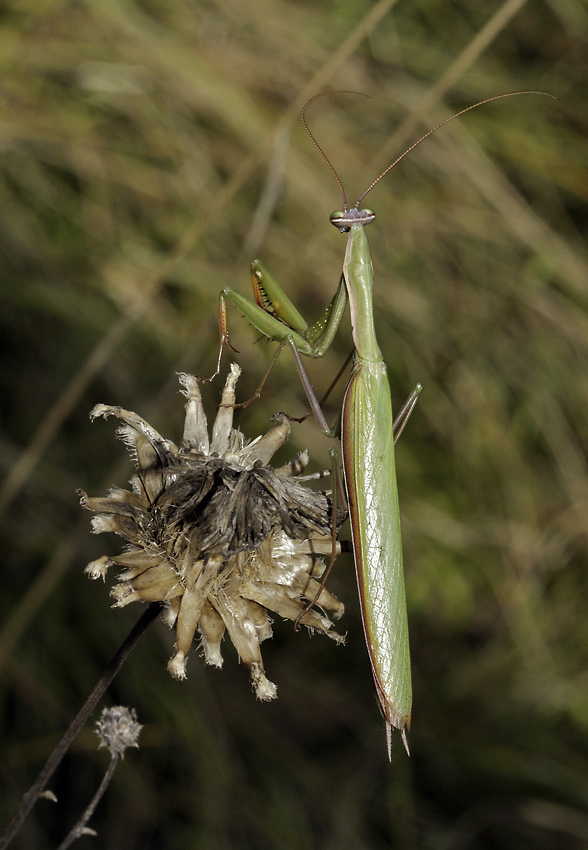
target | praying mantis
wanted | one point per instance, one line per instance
(367, 433)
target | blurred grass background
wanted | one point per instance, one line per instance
(150, 150)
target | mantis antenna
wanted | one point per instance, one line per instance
(408, 150)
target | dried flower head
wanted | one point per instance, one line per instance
(216, 533)
(118, 729)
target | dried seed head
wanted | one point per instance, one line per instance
(118, 729)
(216, 533)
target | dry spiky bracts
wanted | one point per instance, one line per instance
(216, 533)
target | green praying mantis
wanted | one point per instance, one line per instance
(368, 433)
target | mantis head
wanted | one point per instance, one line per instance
(343, 219)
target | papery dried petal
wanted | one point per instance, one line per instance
(285, 603)
(212, 629)
(243, 632)
(97, 569)
(195, 426)
(223, 424)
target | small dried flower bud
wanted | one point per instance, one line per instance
(118, 729)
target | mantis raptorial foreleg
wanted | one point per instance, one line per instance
(276, 318)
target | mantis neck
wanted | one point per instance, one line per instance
(359, 277)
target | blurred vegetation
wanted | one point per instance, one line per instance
(150, 150)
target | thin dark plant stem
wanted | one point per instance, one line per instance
(32, 795)
(80, 826)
